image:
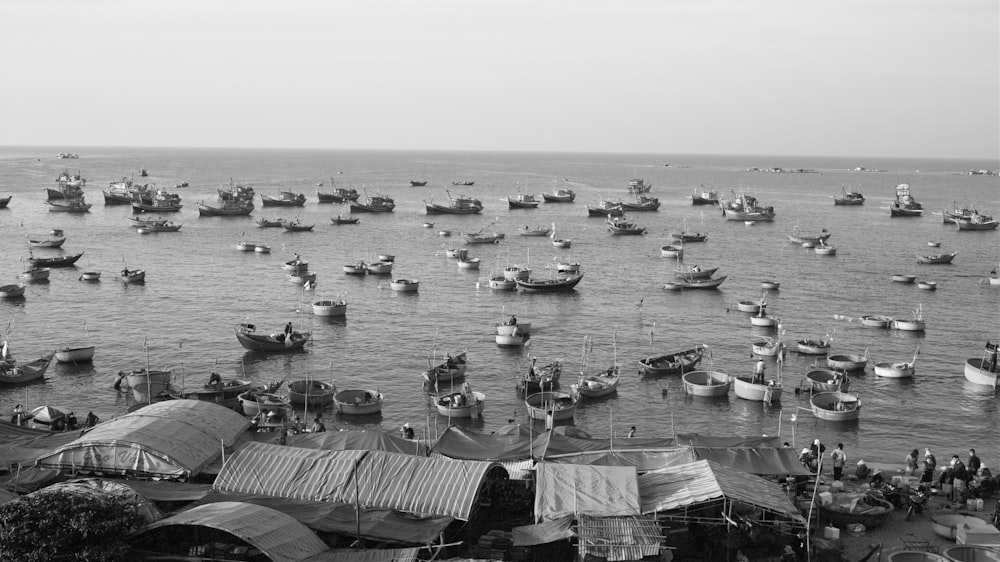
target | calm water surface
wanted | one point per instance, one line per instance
(199, 287)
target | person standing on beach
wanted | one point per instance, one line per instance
(930, 463)
(839, 458)
(911, 463)
(960, 476)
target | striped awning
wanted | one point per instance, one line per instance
(374, 479)
(619, 538)
(351, 555)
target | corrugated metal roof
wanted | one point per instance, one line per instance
(619, 538)
(172, 439)
(351, 555)
(278, 536)
(375, 479)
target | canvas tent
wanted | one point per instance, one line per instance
(569, 489)
(173, 439)
(346, 440)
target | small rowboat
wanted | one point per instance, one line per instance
(451, 370)
(311, 393)
(873, 321)
(903, 278)
(695, 284)
(464, 404)
(825, 380)
(468, 263)
(262, 249)
(898, 369)
(296, 264)
(80, 354)
(927, 285)
(706, 383)
(672, 251)
(404, 285)
(770, 285)
(248, 337)
(345, 220)
(915, 325)
(748, 306)
(937, 259)
(598, 385)
(36, 274)
(90, 276)
(358, 402)
(12, 291)
(302, 278)
(813, 347)
(22, 373)
(379, 268)
(133, 276)
(560, 405)
(676, 363)
(847, 362)
(825, 250)
(977, 371)
(836, 406)
(766, 347)
(498, 282)
(245, 246)
(694, 273)
(330, 308)
(767, 391)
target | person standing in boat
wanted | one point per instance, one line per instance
(19, 418)
(512, 321)
(91, 420)
(407, 431)
(758, 372)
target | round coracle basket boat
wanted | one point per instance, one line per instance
(972, 553)
(946, 524)
(915, 556)
(869, 510)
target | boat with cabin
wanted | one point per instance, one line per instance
(850, 197)
(374, 204)
(905, 205)
(977, 221)
(461, 205)
(624, 226)
(642, 203)
(523, 201)
(639, 185)
(283, 199)
(559, 196)
(710, 197)
(983, 370)
(338, 195)
(746, 207)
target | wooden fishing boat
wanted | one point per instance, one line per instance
(456, 253)
(483, 238)
(90, 276)
(514, 337)
(221, 392)
(358, 268)
(465, 403)
(268, 223)
(825, 249)
(140, 221)
(903, 277)
(77, 354)
(374, 204)
(58, 261)
(982, 370)
(55, 239)
(165, 226)
(536, 379)
(77, 205)
(642, 203)
(707, 383)
(745, 207)
(849, 509)
(605, 209)
(245, 246)
(283, 199)
(905, 205)
(825, 380)
(330, 307)
(497, 282)
(311, 393)
(684, 236)
(158, 202)
(12, 291)
(639, 185)
(523, 201)
(132, 276)
(757, 390)
(405, 285)
(340, 219)
(296, 226)
(562, 242)
(468, 263)
(977, 221)
(672, 251)
(226, 208)
(916, 324)
(748, 306)
(33, 274)
(876, 321)
(557, 284)
(927, 285)
(559, 405)
(134, 377)
(624, 226)
(23, 373)
(460, 205)
(897, 369)
(838, 406)
(534, 231)
(695, 284)
(850, 197)
(296, 264)
(262, 398)
(813, 346)
(290, 340)
(848, 362)
(379, 268)
(763, 320)
(936, 258)
(358, 402)
(568, 267)
(694, 272)
(464, 182)
(452, 369)
(800, 238)
(676, 363)
(600, 384)
(705, 198)
(766, 347)
(559, 196)
(338, 195)
(417, 183)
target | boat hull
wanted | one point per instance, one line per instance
(755, 392)
(673, 363)
(451, 407)
(549, 285)
(561, 405)
(891, 370)
(826, 380)
(836, 406)
(311, 393)
(81, 354)
(270, 344)
(358, 402)
(847, 362)
(975, 373)
(404, 285)
(329, 308)
(707, 383)
(876, 321)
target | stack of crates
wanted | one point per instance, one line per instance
(496, 545)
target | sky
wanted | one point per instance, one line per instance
(892, 78)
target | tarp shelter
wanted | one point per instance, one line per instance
(568, 489)
(274, 534)
(373, 479)
(761, 461)
(678, 487)
(358, 440)
(170, 439)
(641, 459)
(21, 445)
(98, 487)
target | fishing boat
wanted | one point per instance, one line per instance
(536, 379)
(684, 236)
(4, 201)
(311, 393)
(379, 268)
(694, 272)
(876, 321)
(927, 285)
(763, 320)
(814, 346)
(800, 237)
(258, 399)
(983, 370)
(694, 284)
(132, 276)
(58, 261)
(338, 195)
(706, 383)
(749, 306)
(824, 249)
(523, 201)
(357, 402)
(848, 362)
(757, 389)
(534, 231)
(622, 225)
(12, 291)
(897, 369)
(559, 196)
(296, 225)
(770, 285)
(450, 370)
(77, 205)
(467, 263)
(90, 276)
(903, 278)
(849, 197)
(498, 282)
(766, 347)
(244, 245)
(226, 208)
(977, 221)
(340, 219)
(705, 197)
(915, 324)
(838, 406)
(460, 205)
(22, 373)
(34, 273)
(905, 205)
(404, 285)
(567, 266)
(54, 239)
(639, 185)
(605, 208)
(236, 192)
(296, 264)
(289, 340)
(825, 380)
(262, 249)
(558, 406)
(512, 337)
(672, 251)
(217, 391)
(157, 202)
(745, 207)
(283, 199)
(936, 258)
(78, 353)
(551, 285)
(268, 223)
(302, 277)
(598, 385)
(141, 221)
(159, 226)
(417, 183)
(676, 363)
(357, 268)
(330, 308)
(464, 182)
(465, 403)
(642, 203)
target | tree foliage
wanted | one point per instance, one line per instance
(60, 525)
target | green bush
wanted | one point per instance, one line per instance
(58, 525)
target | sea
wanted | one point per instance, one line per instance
(199, 287)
